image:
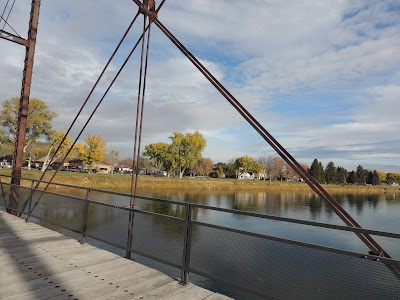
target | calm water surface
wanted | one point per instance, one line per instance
(371, 211)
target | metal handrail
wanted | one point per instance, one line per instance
(303, 222)
(94, 190)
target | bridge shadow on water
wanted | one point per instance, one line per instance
(28, 267)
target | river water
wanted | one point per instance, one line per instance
(372, 211)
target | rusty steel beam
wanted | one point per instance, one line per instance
(13, 38)
(317, 188)
(23, 106)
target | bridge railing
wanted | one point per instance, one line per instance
(183, 235)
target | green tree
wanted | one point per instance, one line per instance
(370, 177)
(321, 172)
(4, 142)
(317, 171)
(341, 175)
(194, 144)
(361, 176)
(170, 162)
(220, 172)
(330, 173)
(186, 150)
(3, 137)
(220, 167)
(391, 178)
(38, 122)
(157, 153)
(177, 152)
(230, 169)
(352, 178)
(161, 156)
(94, 149)
(247, 164)
(376, 180)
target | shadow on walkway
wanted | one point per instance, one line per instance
(26, 273)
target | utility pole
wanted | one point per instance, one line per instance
(30, 44)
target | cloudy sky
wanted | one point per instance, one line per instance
(322, 76)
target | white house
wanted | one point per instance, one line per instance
(245, 175)
(123, 169)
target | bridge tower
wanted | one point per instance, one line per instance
(29, 44)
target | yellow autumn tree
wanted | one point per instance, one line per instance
(94, 149)
(38, 122)
(55, 138)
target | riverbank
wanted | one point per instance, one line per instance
(123, 182)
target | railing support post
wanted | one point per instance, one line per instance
(130, 234)
(85, 216)
(187, 245)
(30, 200)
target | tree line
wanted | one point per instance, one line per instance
(39, 125)
(183, 153)
(182, 156)
(339, 175)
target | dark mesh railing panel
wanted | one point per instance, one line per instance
(272, 267)
(280, 270)
(109, 224)
(23, 202)
(4, 195)
(59, 210)
(159, 236)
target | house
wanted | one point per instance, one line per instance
(79, 164)
(38, 164)
(123, 169)
(6, 161)
(245, 175)
(102, 168)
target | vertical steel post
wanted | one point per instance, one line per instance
(187, 245)
(85, 216)
(130, 233)
(30, 200)
(23, 106)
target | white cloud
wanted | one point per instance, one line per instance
(320, 75)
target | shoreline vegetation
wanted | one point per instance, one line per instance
(123, 182)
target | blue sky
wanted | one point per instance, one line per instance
(322, 76)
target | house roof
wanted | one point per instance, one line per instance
(123, 166)
(102, 164)
(42, 159)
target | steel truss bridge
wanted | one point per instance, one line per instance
(149, 11)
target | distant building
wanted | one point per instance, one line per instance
(123, 169)
(245, 175)
(102, 168)
(6, 161)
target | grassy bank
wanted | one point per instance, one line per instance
(122, 182)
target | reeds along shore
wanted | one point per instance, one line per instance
(117, 181)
